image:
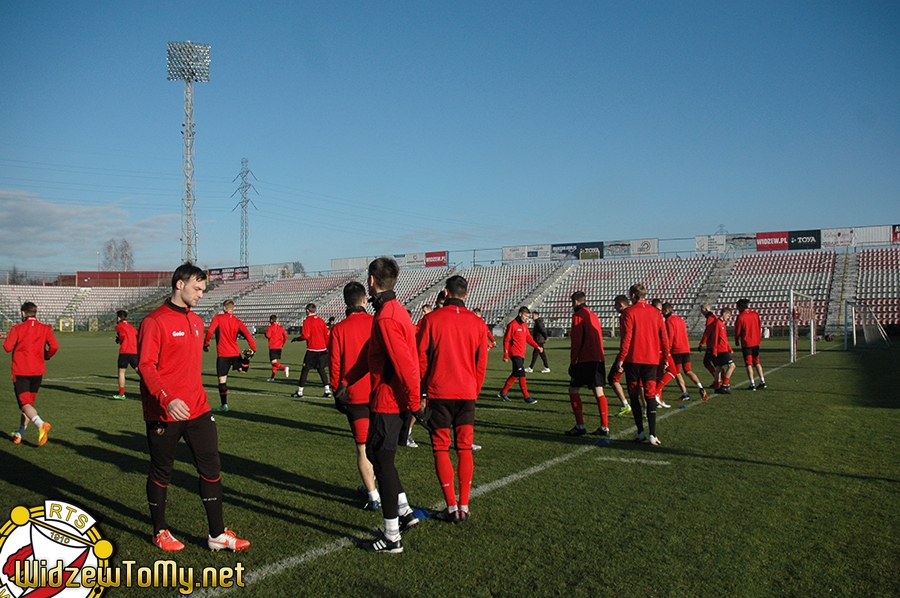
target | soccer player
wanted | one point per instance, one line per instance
(492, 342)
(748, 334)
(277, 336)
(587, 365)
(315, 332)
(620, 304)
(170, 361)
(452, 361)
(641, 355)
(708, 361)
(721, 351)
(515, 340)
(126, 338)
(348, 348)
(226, 327)
(540, 335)
(31, 344)
(392, 362)
(680, 349)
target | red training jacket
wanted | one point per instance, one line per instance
(393, 361)
(515, 339)
(706, 339)
(276, 335)
(644, 338)
(170, 362)
(348, 349)
(315, 332)
(719, 341)
(586, 336)
(126, 336)
(678, 336)
(452, 352)
(747, 329)
(226, 327)
(31, 344)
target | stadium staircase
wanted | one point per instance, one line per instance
(709, 293)
(843, 288)
(554, 277)
(212, 301)
(72, 307)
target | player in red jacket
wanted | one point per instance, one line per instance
(680, 349)
(126, 338)
(620, 304)
(452, 361)
(748, 334)
(515, 341)
(393, 366)
(348, 348)
(641, 355)
(31, 344)
(170, 361)
(721, 351)
(587, 365)
(226, 327)
(315, 332)
(277, 337)
(709, 328)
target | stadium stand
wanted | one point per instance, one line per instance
(677, 281)
(286, 298)
(879, 283)
(499, 290)
(767, 279)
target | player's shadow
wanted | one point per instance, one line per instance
(272, 420)
(42, 482)
(102, 393)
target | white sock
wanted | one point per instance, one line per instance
(392, 529)
(300, 390)
(327, 388)
(699, 386)
(452, 508)
(403, 504)
(374, 496)
(762, 380)
(37, 420)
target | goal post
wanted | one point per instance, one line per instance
(859, 318)
(802, 310)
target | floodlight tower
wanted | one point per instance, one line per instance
(245, 201)
(188, 62)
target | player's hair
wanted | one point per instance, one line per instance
(29, 308)
(457, 286)
(228, 305)
(620, 300)
(122, 314)
(441, 297)
(385, 272)
(273, 318)
(743, 304)
(185, 272)
(657, 303)
(637, 290)
(311, 308)
(705, 308)
(477, 311)
(524, 310)
(667, 308)
(726, 310)
(354, 293)
(578, 296)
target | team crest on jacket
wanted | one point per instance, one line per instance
(52, 550)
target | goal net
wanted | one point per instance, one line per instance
(862, 329)
(803, 314)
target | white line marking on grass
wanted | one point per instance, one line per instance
(345, 542)
(637, 461)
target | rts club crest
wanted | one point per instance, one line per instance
(52, 550)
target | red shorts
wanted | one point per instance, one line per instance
(641, 375)
(358, 416)
(26, 389)
(751, 355)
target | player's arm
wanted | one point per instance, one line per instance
(149, 343)
(9, 343)
(481, 359)
(576, 335)
(51, 346)
(507, 341)
(423, 347)
(335, 367)
(664, 343)
(213, 326)
(627, 330)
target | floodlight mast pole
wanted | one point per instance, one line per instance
(188, 62)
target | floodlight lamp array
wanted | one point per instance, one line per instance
(187, 61)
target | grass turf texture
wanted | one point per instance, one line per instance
(789, 491)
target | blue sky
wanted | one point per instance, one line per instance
(391, 127)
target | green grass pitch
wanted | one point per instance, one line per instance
(789, 491)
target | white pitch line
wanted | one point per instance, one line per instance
(345, 542)
(637, 461)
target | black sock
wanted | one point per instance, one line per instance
(156, 498)
(223, 392)
(211, 494)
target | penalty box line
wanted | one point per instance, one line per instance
(345, 542)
